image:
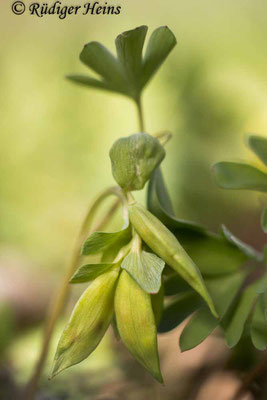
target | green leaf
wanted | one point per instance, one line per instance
(231, 175)
(258, 329)
(160, 44)
(212, 255)
(145, 268)
(89, 272)
(178, 310)
(94, 83)
(136, 323)
(175, 284)
(210, 252)
(198, 329)
(264, 220)
(100, 241)
(88, 323)
(258, 144)
(243, 247)
(223, 291)
(100, 60)
(159, 204)
(235, 321)
(167, 247)
(134, 158)
(129, 47)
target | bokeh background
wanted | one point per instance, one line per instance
(54, 145)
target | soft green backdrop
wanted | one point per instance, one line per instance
(55, 137)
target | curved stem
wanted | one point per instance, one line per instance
(61, 296)
(259, 370)
(140, 114)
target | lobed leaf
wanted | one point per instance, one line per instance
(129, 47)
(212, 255)
(145, 268)
(136, 323)
(160, 44)
(95, 56)
(94, 83)
(258, 329)
(223, 291)
(101, 241)
(128, 73)
(88, 323)
(175, 284)
(178, 310)
(159, 204)
(209, 251)
(258, 144)
(232, 175)
(234, 323)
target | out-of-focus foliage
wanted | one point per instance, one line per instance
(52, 139)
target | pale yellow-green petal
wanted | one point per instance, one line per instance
(136, 323)
(88, 323)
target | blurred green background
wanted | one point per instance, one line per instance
(55, 136)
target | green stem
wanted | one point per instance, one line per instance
(140, 114)
(61, 296)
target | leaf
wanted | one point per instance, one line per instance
(134, 158)
(100, 241)
(210, 252)
(175, 284)
(243, 247)
(145, 268)
(223, 291)
(136, 323)
(129, 47)
(167, 247)
(160, 44)
(88, 323)
(159, 204)
(235, 321)
(158, 199)
(100, 60)
(258, 144)
(178, 310)
(231, 175)
(198, 329)
(94, 83)
(212, 255)
(258, 329)
(89, 272)
(264, 220)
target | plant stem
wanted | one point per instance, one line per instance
(58, 304)
(140, 114)
(259, 370)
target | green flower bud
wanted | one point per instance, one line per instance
(88, 323)
(134, 158)
(136, 323)
(166, 246)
